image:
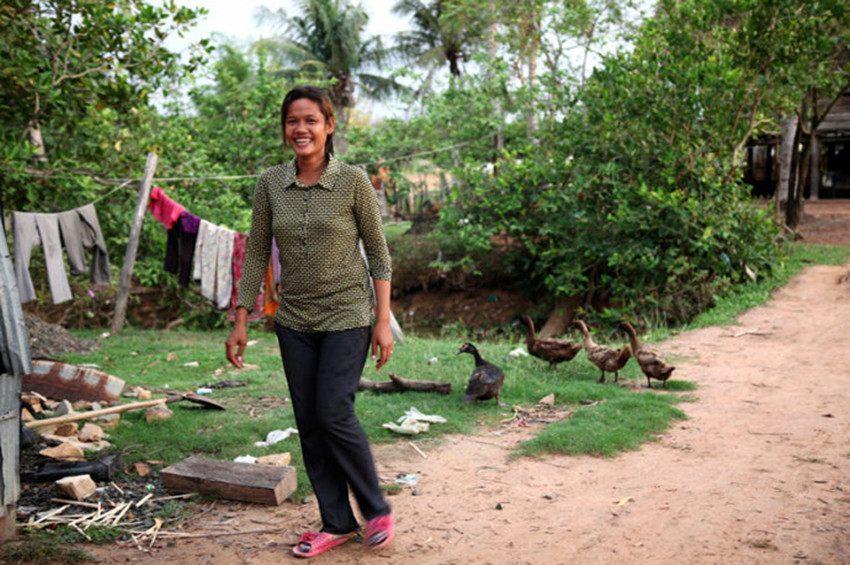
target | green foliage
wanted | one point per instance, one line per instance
(43, 546)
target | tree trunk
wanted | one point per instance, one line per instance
(794, 207)
(814, 171)
(499, 140)
(787, 148)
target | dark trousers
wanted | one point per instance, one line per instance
(322, 370)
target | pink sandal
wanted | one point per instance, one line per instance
(380, 531)
(311, 544)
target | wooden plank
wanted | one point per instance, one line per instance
(246, 482)
(133, 244)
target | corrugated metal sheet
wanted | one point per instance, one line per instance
(16, 360)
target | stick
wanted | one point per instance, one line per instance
(51, 514)
(95, 413)
(133, 244)
(74, 502)
(174, 496)
(419, 451)
(121, 514)
(119, 489)
(145, 499)
(217, 534)
(76, 527)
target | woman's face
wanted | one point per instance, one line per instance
(306, 129)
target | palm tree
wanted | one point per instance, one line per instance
(327, 39)
(439, 36)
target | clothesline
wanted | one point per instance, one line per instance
(123, 182)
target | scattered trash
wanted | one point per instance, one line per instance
(204, 390)
(625, 500)
(408, 426)
(517, 353)
(91, 365)
(414, 422)
(407, 480)
(433, 361)
(104, 335)
(415, 414)
(191, 364)
(276, 436)
(252, 342)
(548, 400)
(245, 459)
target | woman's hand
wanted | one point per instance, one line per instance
(382, 337)
(236, 344)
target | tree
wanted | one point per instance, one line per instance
(63, 56)
(327, 39)
(439, 36)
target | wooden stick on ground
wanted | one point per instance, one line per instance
(95, 413)
(399, 384)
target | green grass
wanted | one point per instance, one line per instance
(622, 420)
(42, 547)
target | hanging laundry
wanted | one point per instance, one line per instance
(180, 247)
(163, 208)
(240, 241)
(213, 263)
(80, 230)
(30, 230)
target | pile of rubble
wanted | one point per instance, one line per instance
(48, 340)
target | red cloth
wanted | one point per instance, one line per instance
(163, 208)
(240, 241)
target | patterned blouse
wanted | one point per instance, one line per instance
(325, 281)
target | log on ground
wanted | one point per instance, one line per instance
(399, 384)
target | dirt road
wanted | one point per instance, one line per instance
(759, 472)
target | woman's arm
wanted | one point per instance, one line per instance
(382, 335)
(253, 272)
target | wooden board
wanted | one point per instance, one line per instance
(245, 482)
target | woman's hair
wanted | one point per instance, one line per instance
(320, 97)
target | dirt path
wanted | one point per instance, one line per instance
(759, 472)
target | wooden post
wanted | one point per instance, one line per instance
(133, 245)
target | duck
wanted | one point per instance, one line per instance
(607, 359)
(650, 361)
(549, 349)
(486, 379)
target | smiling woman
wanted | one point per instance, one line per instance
(318, 208)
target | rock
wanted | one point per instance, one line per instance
(548, 400)
(66, 429)
(109, 421)
(90, 432)
(26, 416)
(158, 413)
(142, 394)
(132, 393)
(498, 506)
(63, 409)
(143, 469)
(92, 446)
(276, 459)
(78, 487)
(63, 451)
(33, 401)
(81, 405)
(171, 356)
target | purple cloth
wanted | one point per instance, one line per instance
(190, 222)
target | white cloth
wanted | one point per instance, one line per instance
(213, 263)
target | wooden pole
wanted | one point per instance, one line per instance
(133, 245)
(76, 417)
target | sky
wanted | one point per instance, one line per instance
(235, 19)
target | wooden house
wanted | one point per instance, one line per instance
(830, 156)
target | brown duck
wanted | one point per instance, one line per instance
(486, 379)
(650, 361)
(608, 360)
(549, 349)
